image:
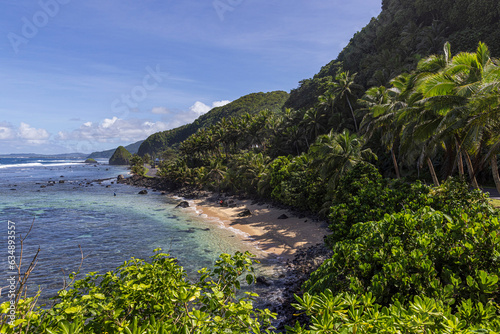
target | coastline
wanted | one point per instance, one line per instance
(275, 231)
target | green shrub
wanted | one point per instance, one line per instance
(347, 313)
(451, 259)
(156, 297)
(364, 195)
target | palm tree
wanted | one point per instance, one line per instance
(216, 173)
(446, 93)
(485, 115)
(336, 153)
(344, 90)
(382, 118)
(314, 122)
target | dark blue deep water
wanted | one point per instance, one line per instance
(75, 211)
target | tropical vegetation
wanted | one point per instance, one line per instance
(389, 143)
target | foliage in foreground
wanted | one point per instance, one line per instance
(156, 297)
(348, 313)
(418, 270)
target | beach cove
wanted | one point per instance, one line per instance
(275, 232)
(73, 204)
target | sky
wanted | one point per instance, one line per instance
(84, 76)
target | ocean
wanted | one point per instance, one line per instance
(70, 210)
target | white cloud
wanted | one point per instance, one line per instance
(220, 103)
(108, 122)
(25, 131)
(160, 111)
(114, 130)
(24, 135)
(6, 131)
(201, 108)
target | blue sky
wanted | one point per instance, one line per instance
(83, 76)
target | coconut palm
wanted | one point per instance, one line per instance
(336, 153)
(314, 122)
(381, 118)
(344, 90)
(446, 94)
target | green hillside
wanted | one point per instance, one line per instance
(405, 32)
(252, 104)
(120, 157)
(132, 148)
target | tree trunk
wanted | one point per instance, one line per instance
(471, 171)
(459, 159)
(494, 170)
(395, 162)
(460, 164)
(433, 172)
(352, 113)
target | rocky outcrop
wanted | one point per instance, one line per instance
(120, 157)
(278, 294)
(182, 205)
(245, 213)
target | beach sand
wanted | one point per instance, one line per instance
(276, 238)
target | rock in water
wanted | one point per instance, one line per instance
(143, 192)
(183, 205)
(283, 216)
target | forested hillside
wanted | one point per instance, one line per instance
(251, 104)
(405, 32)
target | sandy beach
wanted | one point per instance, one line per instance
(276, 238)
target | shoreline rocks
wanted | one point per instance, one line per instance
(182, 205)
(278, 295)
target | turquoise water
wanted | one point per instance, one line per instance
(110, 229)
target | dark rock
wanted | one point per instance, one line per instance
(120, 178)
(245, 213)
(264, 281)
(182, 205)
(143, 192)
(283, 216)
(62, 181)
